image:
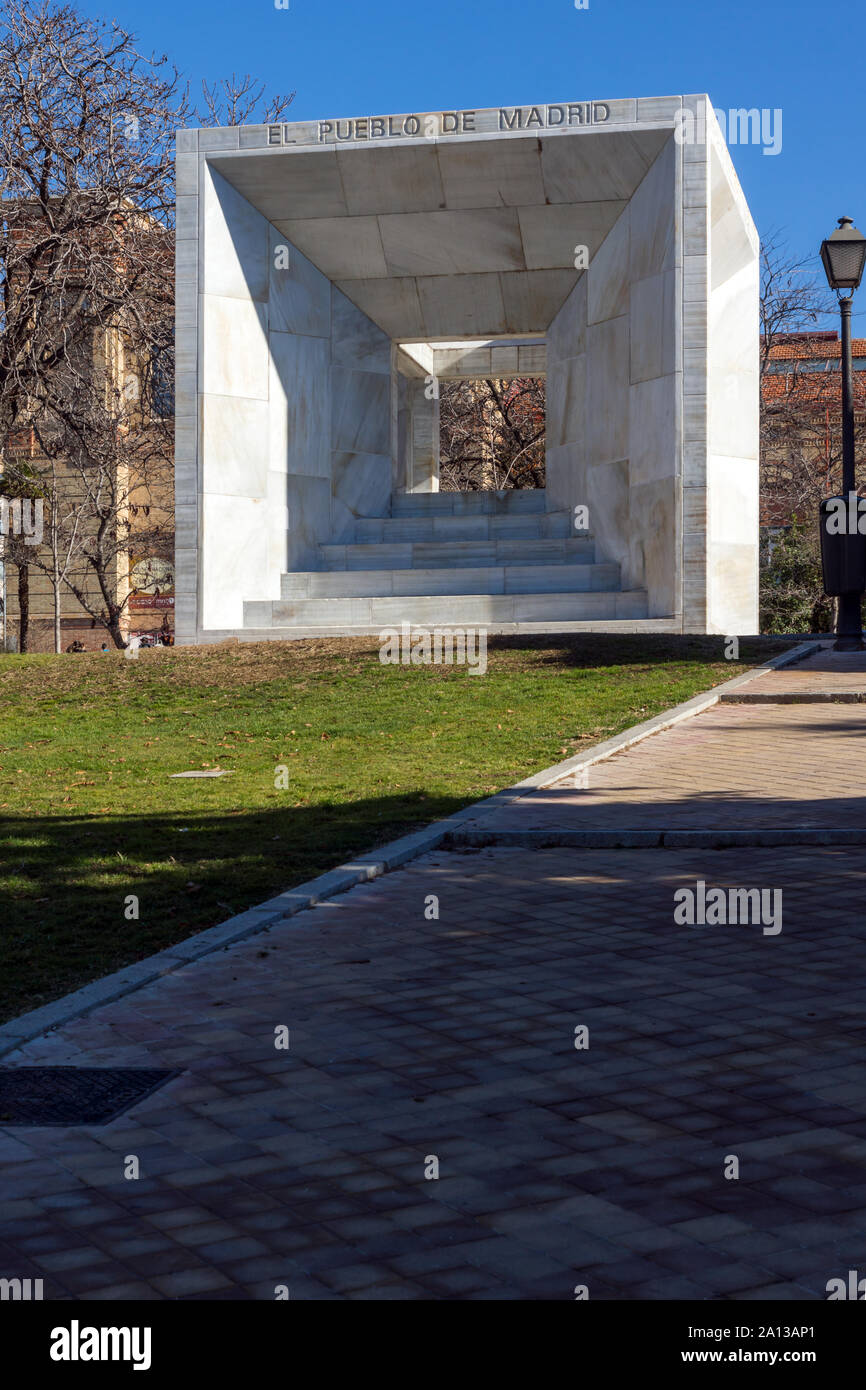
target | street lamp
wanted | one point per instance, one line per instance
(844, 256)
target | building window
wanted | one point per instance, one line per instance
(160, 381)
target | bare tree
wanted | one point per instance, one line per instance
(87, 129)
(22, 486)
(793, 299)
(240, 101)
(492, 434)
(105, 466)
(86, 181)
(801, 447)
(16, 551)
(800, 433)
(64, 536)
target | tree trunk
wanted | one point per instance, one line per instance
(113, 626)
(23, 607)
(57, 643)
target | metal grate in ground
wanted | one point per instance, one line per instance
(74, 1095)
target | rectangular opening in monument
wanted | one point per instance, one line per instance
(491, 433)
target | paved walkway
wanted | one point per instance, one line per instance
(454, 1038)
(734, 766)
(738, 766)
(826, 673)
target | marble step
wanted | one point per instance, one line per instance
(510, 502)
(430, 610)
(445, 554)
(482, 579)
(395, 530)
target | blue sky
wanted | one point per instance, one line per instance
(350, 59)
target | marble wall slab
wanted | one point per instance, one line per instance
(343, 247)
(565, 391)
(504, 175)
(300, 405)
(608, 285)
(234, 446)
(236, 241)
(308, 501)
(395, 305)
(360, 411)
(452, 243)
(551, 235)
(654, 334)
(654, 509)
(614, 391)
(566, 336)
(234, 557)
(474, 303)
(236, 359)
(530, 299)
(607, 425)
(567, 402)
(654, 217)
(610, 171)
(608, 496)
(652, 430)
(731, 427)
(299, 294)
(360, 487)
(363, 417)
(355, 340)
(402, 179)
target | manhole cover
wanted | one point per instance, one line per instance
(74, 1095)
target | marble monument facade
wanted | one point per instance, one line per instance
(330, 273)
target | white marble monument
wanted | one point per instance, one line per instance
(330, 273)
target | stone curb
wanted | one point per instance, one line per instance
(796, 697)
(381, 861)
(566, 838)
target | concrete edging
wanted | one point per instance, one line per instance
(382, 861)
(796, 697)
(565, 837)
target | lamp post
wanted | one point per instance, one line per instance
(844, 256)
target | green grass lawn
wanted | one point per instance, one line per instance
(89, 815)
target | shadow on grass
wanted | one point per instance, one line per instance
(594, 650)
(66, 920)
(69, 880)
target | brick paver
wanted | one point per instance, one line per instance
(735, 766)
(417, 1039)
(825, 672)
